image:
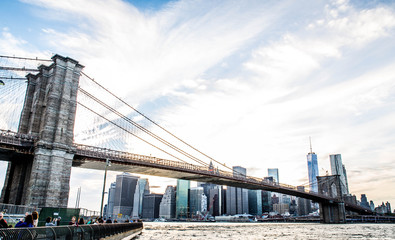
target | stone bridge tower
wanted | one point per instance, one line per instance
(48, 113)
(331, 212)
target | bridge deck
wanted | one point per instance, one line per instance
(95, 158)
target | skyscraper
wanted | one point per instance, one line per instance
(337, 168)
(151, 204)
(207, 187)
(231, 207)
(124, 194)
(223, 200)
(197, 202)
(237, 198)
(167, 208)
(182, 198)
(110, 201)
(364, 201)
(388, 206)
(371, 204)
(214, 201)
(239, 171)
(142, 188)
(345, 177)
(245, 201)
(312, 166)
(304, 205)
(255, 202)
(266, 201)
(273, 172)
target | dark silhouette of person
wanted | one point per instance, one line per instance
(3, 222)
(81, 221)
(27, 223)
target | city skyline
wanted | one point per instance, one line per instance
(243, 81)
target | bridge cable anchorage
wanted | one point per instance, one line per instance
(142, 128)
(112, 122)
(156, 124)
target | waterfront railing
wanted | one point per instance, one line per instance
(92, 231)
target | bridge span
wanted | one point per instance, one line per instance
(95, 158)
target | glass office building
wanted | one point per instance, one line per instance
(255, 202)
(182, 198)
(312, 167)
(273, 172)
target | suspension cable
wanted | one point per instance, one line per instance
(156, 124)
(124, 129)
(24, 58)
(142, 128)
(13, 78)
(19, 69)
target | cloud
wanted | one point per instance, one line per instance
(14, 46)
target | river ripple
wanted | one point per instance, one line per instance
(176, 230)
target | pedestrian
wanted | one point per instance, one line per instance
(109, 220)
(35, 218)
(81, 221)
(58, 221)
(73, 221)
(3, 222)
(27, 223)
(49, 222)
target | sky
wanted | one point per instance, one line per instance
(247, 82)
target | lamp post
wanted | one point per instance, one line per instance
(108, 163)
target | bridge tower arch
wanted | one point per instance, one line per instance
(48, 114)
(331, 212)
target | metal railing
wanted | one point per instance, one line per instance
(8, 136)
(89, 213)
(95, 231)
(23, 143)
(16, 209)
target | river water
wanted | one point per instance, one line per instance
(184, 231)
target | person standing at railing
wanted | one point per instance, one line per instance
(73, 221)
(49, 222)
(81, 221)
(27, 223)
(58, 221)
(35, 218)
(3, 222)
(91, 221)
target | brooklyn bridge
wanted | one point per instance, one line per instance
(41, 150)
